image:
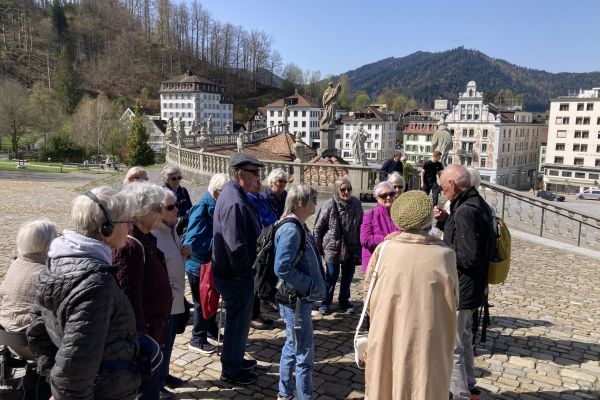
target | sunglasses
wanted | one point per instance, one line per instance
(170, 207)
(346, 190)
(157, 209)
(129, 223)
(384, 196)
(176, 178)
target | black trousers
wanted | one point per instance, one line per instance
(435, 190)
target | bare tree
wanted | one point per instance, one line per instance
(14, 118)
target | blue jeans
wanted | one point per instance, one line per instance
(168, 348)
(150, 388)
(300, 358)
(463, 370)
(238, 296)
(200, 326)
(331, 277)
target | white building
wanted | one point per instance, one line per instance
(381, 133)
(502, 142)
(573, 150)
(194, 99)
(304, 115)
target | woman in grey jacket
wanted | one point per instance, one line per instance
(337, 235)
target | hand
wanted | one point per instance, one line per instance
(186, 251)
(422, 185)
(391, 235)
(439, 213)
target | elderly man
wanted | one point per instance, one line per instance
(392, 165)
(235, 230)
(468, 231)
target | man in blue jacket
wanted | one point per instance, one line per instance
(392, 165)
(235, 231)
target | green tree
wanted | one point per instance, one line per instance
(45, 110)
(66, 82)
(59, 21)
(138, 150)
(362, 99)
(145, 93)
(387, 97)
(488, 97)
(344, 99)
(399, 103)
(62, 146)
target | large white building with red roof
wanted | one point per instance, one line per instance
(303, 117)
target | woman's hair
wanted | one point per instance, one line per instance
(396, 179)
(34, 237)
(337, 184)
(87, 217)
(475, 177)
(217, 182)
(133, 171)
(276, 174)
(169, 169)
(169, 194)
(383, 185)
(142, 196)
(298, 194)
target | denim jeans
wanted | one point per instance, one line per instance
(238, 297)
(331, 277)
(168, 348)
(150, 388)
(299, 358)
(463, 370)
(200, 326)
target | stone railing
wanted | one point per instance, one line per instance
(543, 218)
(193, 141)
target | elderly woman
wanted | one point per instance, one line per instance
(302, 285)
(171, 177)
(135, 174)
(81, 318)
(412, 309)
(337, 235)
(142, 271)
(275, 192)
(198, 238)
(398, 182)
(377, 225)
(170, 244)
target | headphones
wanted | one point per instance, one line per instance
(107, 226)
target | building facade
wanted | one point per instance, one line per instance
(501, 142)
(381, 133)
(194, 100)
(303, 116)
(418, 131)
(573, 149)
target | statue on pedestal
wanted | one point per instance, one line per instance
(228, 127)
(329, 105)
(170, 134)
(240, 142)
(442, 141)
(203, 140)
(359, 138)
(286, 114)
(209, 124)
(299, 147)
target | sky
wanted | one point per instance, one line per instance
(335, 36)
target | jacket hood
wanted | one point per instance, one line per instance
(73, 244)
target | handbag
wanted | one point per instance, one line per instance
(209, 296)
(360, 340)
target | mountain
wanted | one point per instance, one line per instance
(426, 76)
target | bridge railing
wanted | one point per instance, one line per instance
(543, 218)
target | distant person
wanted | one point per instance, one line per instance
(412, 309)
(429, 177)
(392, 165)
(407, 171)
(337, 235)
(397, 181)
(235, 231)
(135, 174)
(171, 176)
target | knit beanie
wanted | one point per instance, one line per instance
(412, 210)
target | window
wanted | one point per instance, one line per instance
(304, 113)
(279, 113)
(464, 133)
(560, 146)
(580, 106)
(484, 133)
(566, 174)
(578, 161)
(576, 147)
(598, 121)
(565, 120)
(598, 148)
(484, 147)
(578, 120)
(295, 124)
(586, 120)
(580, 175)
(564, 107)
(583, 148)
(304, 124)
(561, 134)
(590, 107)
(553, 172)
(585, 134)
(471, 132)
(597, 162)
(558, 160)
(295, 113)
(593, 176)
(482, 163)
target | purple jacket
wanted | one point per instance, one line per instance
(375, 227)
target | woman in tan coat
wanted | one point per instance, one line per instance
(412, 309)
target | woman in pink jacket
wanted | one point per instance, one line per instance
(377, 225)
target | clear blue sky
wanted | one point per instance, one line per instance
(334, 36)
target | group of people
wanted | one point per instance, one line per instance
(90, 298)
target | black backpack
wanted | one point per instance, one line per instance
(265, 280)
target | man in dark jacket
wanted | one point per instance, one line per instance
(468, 231)
(235, 230)
(392, 165)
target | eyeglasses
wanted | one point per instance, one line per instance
(158, 209)
(255, 172)
(346, 190)
(384, 196)
(176, 178)
(129, 223)
(282, 181)
(170, 207)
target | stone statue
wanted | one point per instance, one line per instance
(359, 138)
(299, 149)
(240, 142)
(209, 124)
(170, 133)
(228, 127)
(442, 141)
(329, 105)
(286, 114)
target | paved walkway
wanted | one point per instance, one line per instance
(544, 341)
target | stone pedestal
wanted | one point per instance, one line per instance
(327, 145)
(359, 178)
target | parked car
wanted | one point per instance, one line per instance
(590, 194)
(546, 195)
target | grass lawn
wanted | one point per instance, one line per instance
(36, 167)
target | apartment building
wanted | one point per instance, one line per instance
(381, 133)
(304, 115)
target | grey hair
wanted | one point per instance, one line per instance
(34, 237)
(337, 184)
(381, 185)
(169, 194)
(217, 182)
(131, 172)
(87, 217)
(169, 169)
(475, 177)
(275, 174)
(142, 196)
(298, 194)
(459, 174)
(396, 179)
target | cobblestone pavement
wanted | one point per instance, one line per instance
(544, 342)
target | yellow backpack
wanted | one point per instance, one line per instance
(500, 262)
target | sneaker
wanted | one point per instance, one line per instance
(262, 323)
(348, 310)
(324, 310)
(204, 348)
(243, 378)
(280, 397)
(475, 393)
(165, 394)
(249, 365)
(173, 381)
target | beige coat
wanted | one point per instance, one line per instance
(412, 320)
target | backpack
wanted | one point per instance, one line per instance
(500, 261)
(265, 280)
